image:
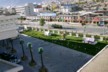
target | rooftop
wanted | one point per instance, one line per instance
(6, 66)
(68, 4)
(98, 63)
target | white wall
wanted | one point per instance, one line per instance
(29, 9)
(8, 28)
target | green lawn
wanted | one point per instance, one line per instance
(70, 42)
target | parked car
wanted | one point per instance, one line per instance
(9, 57)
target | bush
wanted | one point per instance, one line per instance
(42, 22)
(56, 26)
(97, 37)
(80, 35)
(29, 28)
(70, 42)
(73, 34)
(88, 35)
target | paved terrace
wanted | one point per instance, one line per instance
(6, 66)
(56, 58)
(98, 63)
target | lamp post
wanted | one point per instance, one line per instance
(3, 43)
(43, 68)
(32, 62)
(12, 48)
(7, 44)
(85, 26)
(24, 57)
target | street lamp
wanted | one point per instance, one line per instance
(3, 43)
(32, 62)
(12, 48)
(24, 57)
(43, 68)
(84, 29)
(7, 44)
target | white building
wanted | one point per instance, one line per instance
(26, 10)
(67, 8)
(29, 9)
(20, 10)
(8, 28)
(38, 10)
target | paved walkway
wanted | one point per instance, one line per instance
(56, 58)
(99, 63)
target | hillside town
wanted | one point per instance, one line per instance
(54, 36)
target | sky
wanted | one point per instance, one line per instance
(5, 3)
(12, 3)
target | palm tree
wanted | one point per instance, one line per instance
(32, 62)
(21, 19)
(24, 57)
(12, 48)
(43, 68)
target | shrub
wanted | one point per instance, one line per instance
(29, 28)
(96, 37)
(88, 35)
(56, 26)
(42, 22)
(80, 35)
(74, 34)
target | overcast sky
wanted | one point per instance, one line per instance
(16, 2)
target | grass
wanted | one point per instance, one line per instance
(70, 42)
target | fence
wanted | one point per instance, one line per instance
(69, 33)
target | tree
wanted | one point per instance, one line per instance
(53, 6)
(12, 48)
(42, 22)
(21, 19)
(24, 57)
(83, 23)
(32, 62)
(43, 68)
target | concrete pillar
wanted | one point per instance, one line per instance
(36, 29)
(25, 27)
(32, 28)
(101, 38)
(58, 32)
(70, 34)
(44, 30)
(53, 31)
(48, 30)
(92, 36)
(77, 35)
(39, 29)
(84, 35)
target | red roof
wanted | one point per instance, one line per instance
(96, 19)
(81, 19)
(38, 6)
